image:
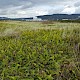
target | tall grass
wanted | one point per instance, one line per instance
(31, 51)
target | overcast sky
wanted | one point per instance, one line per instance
(30, 8)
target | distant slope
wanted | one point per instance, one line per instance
(48, 17)
(60, 17)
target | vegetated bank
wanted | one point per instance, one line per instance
(39, 51)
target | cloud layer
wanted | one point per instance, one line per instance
(30, 8)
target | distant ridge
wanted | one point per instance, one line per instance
(47, 17)
(60, 17)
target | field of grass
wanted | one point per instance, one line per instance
(39, 50)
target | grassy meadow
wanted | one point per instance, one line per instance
(39, 50)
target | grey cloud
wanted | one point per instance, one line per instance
(77, 4)
(13, 3)
(77, 10)
(36, 7)
(6, 3)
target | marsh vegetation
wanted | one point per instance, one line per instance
(39, 50)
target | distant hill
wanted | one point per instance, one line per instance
(60, 17)
(20, 19)
(3, 18)
(48, 17)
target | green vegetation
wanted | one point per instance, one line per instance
(70, 21)
(39, 51)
